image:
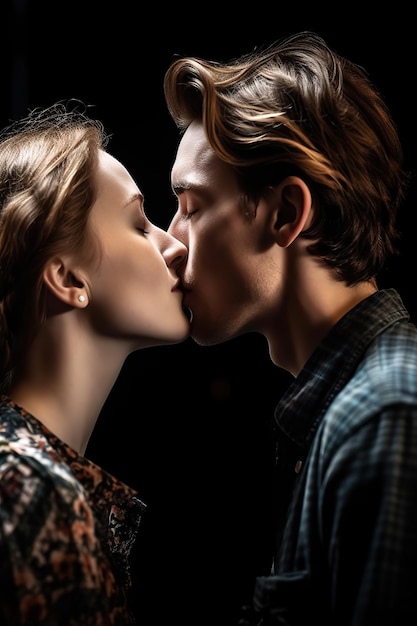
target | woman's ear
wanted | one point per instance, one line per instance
(62, 281)
(293, 205)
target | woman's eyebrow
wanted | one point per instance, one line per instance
(136, 197)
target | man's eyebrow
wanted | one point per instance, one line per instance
(181, 187)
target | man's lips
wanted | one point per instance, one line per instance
(188, 312)
(180, 287)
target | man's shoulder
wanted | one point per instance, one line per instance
(383, 385)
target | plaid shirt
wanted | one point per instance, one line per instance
(66, 531)
(346, 429)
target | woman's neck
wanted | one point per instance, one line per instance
(65, 379)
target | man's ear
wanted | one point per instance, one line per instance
(293, 202)
(62, 281)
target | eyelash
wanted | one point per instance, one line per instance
(186, 214)
(143, 231)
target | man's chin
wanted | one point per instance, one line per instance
(207, 337)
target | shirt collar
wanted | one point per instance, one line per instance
(331, 365)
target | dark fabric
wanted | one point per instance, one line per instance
(346, 540)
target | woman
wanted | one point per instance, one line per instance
(85, 280)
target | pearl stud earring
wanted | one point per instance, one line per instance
(81, 298)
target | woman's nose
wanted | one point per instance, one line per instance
(173, 250)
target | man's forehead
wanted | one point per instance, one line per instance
(194, 143)
(197, 166)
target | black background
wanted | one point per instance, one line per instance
(188, 426)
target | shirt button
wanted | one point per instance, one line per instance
(298, 467)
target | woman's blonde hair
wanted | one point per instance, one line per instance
(47, 162)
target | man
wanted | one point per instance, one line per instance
(289, 178)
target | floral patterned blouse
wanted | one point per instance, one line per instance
(66, 531)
